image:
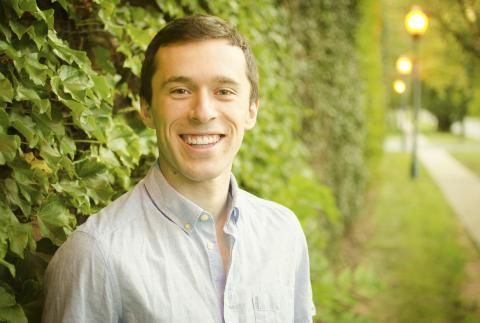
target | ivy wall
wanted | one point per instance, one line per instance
(71, 139)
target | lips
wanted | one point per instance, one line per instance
(197, 140)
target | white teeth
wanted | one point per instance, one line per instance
(201, 140)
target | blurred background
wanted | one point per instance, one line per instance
(369, 130)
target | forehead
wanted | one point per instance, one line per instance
(201, 59)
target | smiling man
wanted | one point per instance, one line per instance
(186, 244)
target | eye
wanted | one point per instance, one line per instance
(225, 92)
(179, 91)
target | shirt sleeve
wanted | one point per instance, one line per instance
(78, 284)
(304, 307)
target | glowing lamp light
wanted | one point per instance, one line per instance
(416, 21)
(399, 86)
(404, 65)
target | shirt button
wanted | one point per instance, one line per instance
(210, 245)
(204, 217)
(187, 226)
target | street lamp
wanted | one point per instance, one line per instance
(399, 86)
(416, 23)
(404, 65)
(404, 68)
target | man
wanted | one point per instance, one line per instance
(186, 244)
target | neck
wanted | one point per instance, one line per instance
(211, 195)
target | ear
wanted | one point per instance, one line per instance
(146, 114)
(252, 115)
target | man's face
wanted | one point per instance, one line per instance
(200, 109)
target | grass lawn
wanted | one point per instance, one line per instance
(447, 138)
(414, 245)
(471, 159)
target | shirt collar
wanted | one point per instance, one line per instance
(233, 195)
(177, 207)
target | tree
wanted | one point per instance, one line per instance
(447, 106)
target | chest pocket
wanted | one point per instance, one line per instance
(267, 309)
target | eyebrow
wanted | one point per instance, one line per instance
(226, 80)
(177, 79)
(186, 80)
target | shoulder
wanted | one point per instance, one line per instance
(262, 210)
(118, 214)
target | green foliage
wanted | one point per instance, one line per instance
(448, 106)
(369, 40)
(331, 91)
(71, 139)
(65, 148)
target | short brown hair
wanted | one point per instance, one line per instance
(195, 28)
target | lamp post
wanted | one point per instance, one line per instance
(416, 23)
(399, 87)
(404, 68)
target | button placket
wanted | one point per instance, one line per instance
(204, 217)
(210, 245)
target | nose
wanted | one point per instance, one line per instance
(203, 108)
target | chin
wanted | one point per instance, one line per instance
(202, 175)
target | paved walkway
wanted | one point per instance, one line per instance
(460, 186)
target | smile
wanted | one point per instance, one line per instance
(201, 139)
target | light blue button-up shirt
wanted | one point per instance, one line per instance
(152, 256)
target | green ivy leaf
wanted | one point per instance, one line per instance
(50, 154)
(4, 121)
(90, 166)
(74, 81)
(140, 36)
(103, 59)
(55, 220)
(67, 146)
(8, 147)
(21, 6)
(76, 193)
(48, 126)
(5, 220)
(13, 314)
(134, 63)
(13, 196)
(76, 108)
(56, 84)
(37, 72)
(18, 28)
(23, 93)
(31, 182)
(11, 52)
(42, 106)
(6, 89)
(26, 126)
(20, 236)
(6, 32)
(95, 121)
(123, 141)
(7, 298)
(38, 33)
(102, 87)
(66, 53)
(48, 17)
(99, 187)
